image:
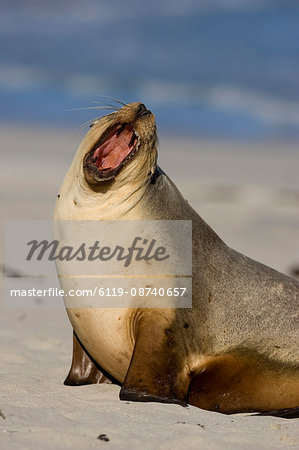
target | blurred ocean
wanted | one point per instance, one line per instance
(214, 68)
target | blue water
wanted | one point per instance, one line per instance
(212, 68)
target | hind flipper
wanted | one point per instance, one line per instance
(291, 413)
(245, 383)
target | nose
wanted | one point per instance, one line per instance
(142, 111)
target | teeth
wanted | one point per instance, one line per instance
(132, 139)
(130, 155)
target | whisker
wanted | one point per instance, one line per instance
(112, 108)
(91, 121)
(114, 99)
(88, 122)
(79, 127)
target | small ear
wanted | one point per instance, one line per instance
(84, 370)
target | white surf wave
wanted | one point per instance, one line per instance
(266, 108)
(19, 77)
(260, 105)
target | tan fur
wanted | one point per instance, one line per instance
(237, 345)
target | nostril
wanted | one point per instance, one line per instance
(142, 110)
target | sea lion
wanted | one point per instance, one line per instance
(235, 350)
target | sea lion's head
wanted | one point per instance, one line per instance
(120, 147)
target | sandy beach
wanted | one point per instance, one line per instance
(247, 192)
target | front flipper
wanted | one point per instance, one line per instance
(155, 373)
(84, 370)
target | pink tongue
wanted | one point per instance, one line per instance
(114, 150)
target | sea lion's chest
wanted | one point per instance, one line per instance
(106, 332)
(107, 336)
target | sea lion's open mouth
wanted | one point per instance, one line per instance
(115, 148)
